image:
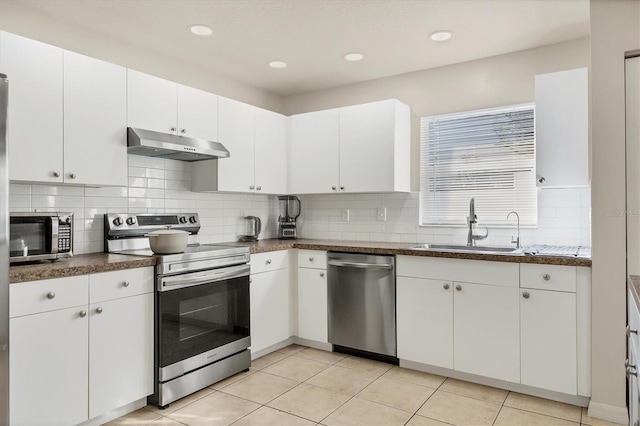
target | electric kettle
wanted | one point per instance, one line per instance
(252, 230)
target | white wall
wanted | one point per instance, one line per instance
(155, 186)
(614, 30)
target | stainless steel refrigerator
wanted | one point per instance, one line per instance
(4, 254)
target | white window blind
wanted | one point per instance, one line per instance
(486, 154)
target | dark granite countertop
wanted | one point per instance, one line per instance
(263, 246)
(103, 262)
(78, 265)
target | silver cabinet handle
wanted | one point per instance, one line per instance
(360, 265)
(252, 187)
(56, 174)
(250, 280)
(259, 188)
(72, 175)
(446, 286)
(526, 295)
(546, 277)
(99, 310)
(333, 187)
(82, 313)
(125, 284)
(268, 262)
(322, 274)
(629, 331)
(173, 129)
(310, 258)
(183, 130)
(458, 287)
(51, 295)
(632, 369)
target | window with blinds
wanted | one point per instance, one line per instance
(488, 155)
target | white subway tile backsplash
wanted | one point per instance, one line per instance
(159, 186)
(563, 216)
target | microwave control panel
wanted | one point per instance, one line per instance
(64, 234)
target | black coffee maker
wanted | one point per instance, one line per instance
(290, 208)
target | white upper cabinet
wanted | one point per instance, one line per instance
(257, 143)
(236, 134)
(168, 107)
(375, 147)
(197, 113)
(562, 128)
(151, 102)
(95, 120)
(35, 129)
(67, 115)
(360, 148)
(315, 149)
(270, 148)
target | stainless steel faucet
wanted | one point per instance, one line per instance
(517, 240)
(471, 220)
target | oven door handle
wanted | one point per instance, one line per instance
(190, 280)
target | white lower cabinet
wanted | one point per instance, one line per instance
(79, 354)
(312, 296)
(425, 309)
(49, 367)
(120, 352)
(548, 340)
(520, 323)
(486, 335)
(269, 299)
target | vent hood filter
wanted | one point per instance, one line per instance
(173, 147)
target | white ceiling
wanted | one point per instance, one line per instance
(312, 35)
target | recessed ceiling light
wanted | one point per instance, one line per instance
(277, 64)
(440, 35)
(201, 30)
(354, 56)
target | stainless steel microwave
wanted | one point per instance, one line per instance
(40, 236)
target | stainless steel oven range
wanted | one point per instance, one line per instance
(201, 304)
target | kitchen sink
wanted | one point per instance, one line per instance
(467, 249)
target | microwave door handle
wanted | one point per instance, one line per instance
(54, 235)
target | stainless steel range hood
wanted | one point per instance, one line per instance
(173, 147)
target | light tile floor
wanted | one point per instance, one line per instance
(305, 386)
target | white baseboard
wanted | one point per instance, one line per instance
(610, 413)
(272, 348)
(118, 412)
(313, 344)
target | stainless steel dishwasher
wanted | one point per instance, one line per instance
(362, 303)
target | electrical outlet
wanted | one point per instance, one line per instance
(382, 214)
(345, 215)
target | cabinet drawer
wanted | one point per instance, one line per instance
(263, 262)
(118, 284)
(471, 271)
(47, 295)
(312, 259)
(548, 277)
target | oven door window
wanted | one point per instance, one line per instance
(196, 319)
(29, 235)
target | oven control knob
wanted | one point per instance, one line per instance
(183, 219)
(131, 220)
(117, 221)
(193, 219)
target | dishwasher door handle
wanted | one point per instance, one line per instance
(360, 265)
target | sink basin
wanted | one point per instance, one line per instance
(466, 249)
